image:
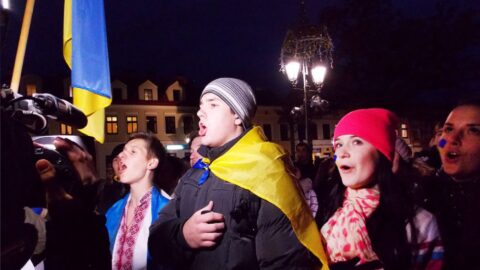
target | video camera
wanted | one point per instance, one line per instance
(32, 113)
(20, 182)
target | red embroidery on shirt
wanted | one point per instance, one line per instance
(128, 235)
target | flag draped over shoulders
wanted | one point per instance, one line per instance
(86, 53)
(264, 174)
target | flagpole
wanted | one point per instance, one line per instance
(22, 45)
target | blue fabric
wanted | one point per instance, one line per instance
(202, 166)
(37, 210)
(436, 255)
(115, 213)
(90, 69)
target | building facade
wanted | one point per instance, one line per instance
(165, 112)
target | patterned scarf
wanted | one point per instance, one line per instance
(346, 231)
(128, 235)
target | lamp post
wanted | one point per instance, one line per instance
(306, 49)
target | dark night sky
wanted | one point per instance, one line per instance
(199, 39)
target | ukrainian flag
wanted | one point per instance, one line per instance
(265, 174)
(86, 53)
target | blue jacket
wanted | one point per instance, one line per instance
(115, 213)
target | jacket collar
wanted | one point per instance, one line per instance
(213, 153)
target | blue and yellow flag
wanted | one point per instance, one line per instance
(264, 174)
(86, 53)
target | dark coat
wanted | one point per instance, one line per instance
(76, 238)
(257, 235)
(457, 208)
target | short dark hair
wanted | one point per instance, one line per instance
(117, 150)
(304, 144)
(155, 148)
(474, 102)
(192, 136)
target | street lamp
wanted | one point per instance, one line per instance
(307, 49)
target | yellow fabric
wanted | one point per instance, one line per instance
(67, 32)
(258, 166)
(91, 104)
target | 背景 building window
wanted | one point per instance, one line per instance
(170, 125)
(132, 124)
(111, 124)
(404, 130)
(187, 124)
(152, 124)
(31, 89)
(176, 95)
(117, 94)
(148, 94)
(65, 129)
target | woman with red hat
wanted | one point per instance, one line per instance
(367, 221)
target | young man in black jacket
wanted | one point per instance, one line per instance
(235, 208)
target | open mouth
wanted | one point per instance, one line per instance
(202, 129)
(345, 168)
(452, 156)
(121, 167)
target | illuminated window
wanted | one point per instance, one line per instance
(132, 124)
(65, 129)
(148, 94)
(152, 124)
(404, 131)
(31, 89)
(111, 124)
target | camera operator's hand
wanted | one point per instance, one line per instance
(80, 159)
(47, 172)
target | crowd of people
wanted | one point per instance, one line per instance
(244, 204)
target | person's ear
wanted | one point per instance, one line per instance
(152, 163)
(238, 121)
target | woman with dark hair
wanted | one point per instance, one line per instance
(129, 219)
(369, 221)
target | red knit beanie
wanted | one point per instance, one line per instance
(376, 126)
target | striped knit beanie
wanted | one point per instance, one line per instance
(402, 148)
(237, 94)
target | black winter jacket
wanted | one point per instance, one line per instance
(257, 235)
(457, 208)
